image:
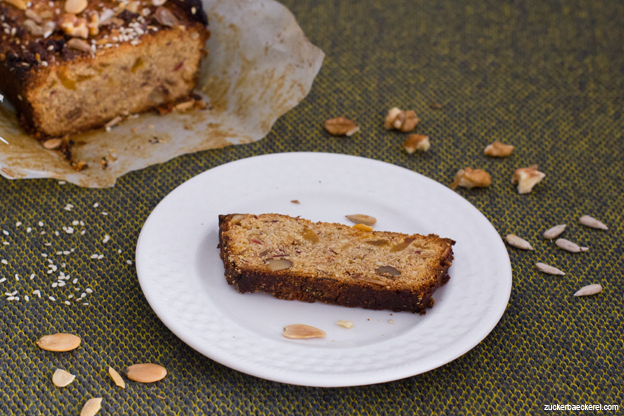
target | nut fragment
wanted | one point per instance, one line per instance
(20, 4)
(341, 126)
(549, 269)
(91, 407)
(362, 219)
(416, 142)
(363, 227)
(592, 222)
(554, 231)
(589, 290)
(375, 281)
(33, 15)
(116, 378)
(515, 241)
(471, 178)
(62, 378)
(74, 26)
(33, 28)
(301, 331)
(59, 342)
(79, 45)
(404, 121)
(158, 2)
(527, 178)
(569, 246)
(346, 324)
(165, 17)
(146, 373)
(497, 149)
(75, 6)
(388, 270)
(279, 264)
(52, 144)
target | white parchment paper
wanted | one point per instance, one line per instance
(260, 66)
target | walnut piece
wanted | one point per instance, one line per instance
(471, 178)
(497, 149)
(398, 119)
(416, 142)
(341, 126)
(527, 178)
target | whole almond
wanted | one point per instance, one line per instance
(59, 342)
(589, 290)
(75, 6)
(301, 331)
(91, 407)
(116, 378)
(362, 219)
(515, 241)
(62, 378)
(554, 231)
(592, 222)
(146, 373)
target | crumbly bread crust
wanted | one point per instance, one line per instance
(67, 73)
(296, 259)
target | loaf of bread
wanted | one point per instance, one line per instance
(296, 259)
(74, 65)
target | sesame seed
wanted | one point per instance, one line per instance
(42, 232)
(58, 253)
(82, 223)
(104, 213)
(40, 224)
(52, 298)
(28, 229)
(88, 290)
(75, 281)
(44, 255)
(129, 261)
(96, 205)
(17, 224)
(56, 233)
(61, 284)
(6, 243)
(75, 222)
(3, 280)
(54, 284)
(26, 298)
(50, 271)
(67, 302)
(10, 298)
(60, 182)
(82, 232)
(106, 238)
(94, 256)
(119, 251)
(101, 256)
(5, 232)
(32, 276)
(86, 303)
(70, 296)
(17, 277)
(3, 261)
(37, 292)
(67, 253)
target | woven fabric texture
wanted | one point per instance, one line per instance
(546, 76)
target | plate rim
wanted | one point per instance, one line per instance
(313, 380)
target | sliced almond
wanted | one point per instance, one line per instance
(554, 231)
(62, 378)
(279, 264)
(91, 407)
(362, 219)
(52, 144)
(146, 373)
(517, 242)
(346, 324)
(301, 331)
(549, 269)
(589, 290)
(59, 342)
(75, 6)
(569, 246)
(116, 378)
(592, 222)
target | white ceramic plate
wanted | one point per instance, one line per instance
(182, 275)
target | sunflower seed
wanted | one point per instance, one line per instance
(116, 378)
(301, 331)
(515, 241)
(146, 373)
(554, 231)
(59, 342)
(569, 246)
(589, 290)
(592, 222)
(62, 378)
(91, 407)
(549, 269)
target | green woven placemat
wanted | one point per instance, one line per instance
(545, 76)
